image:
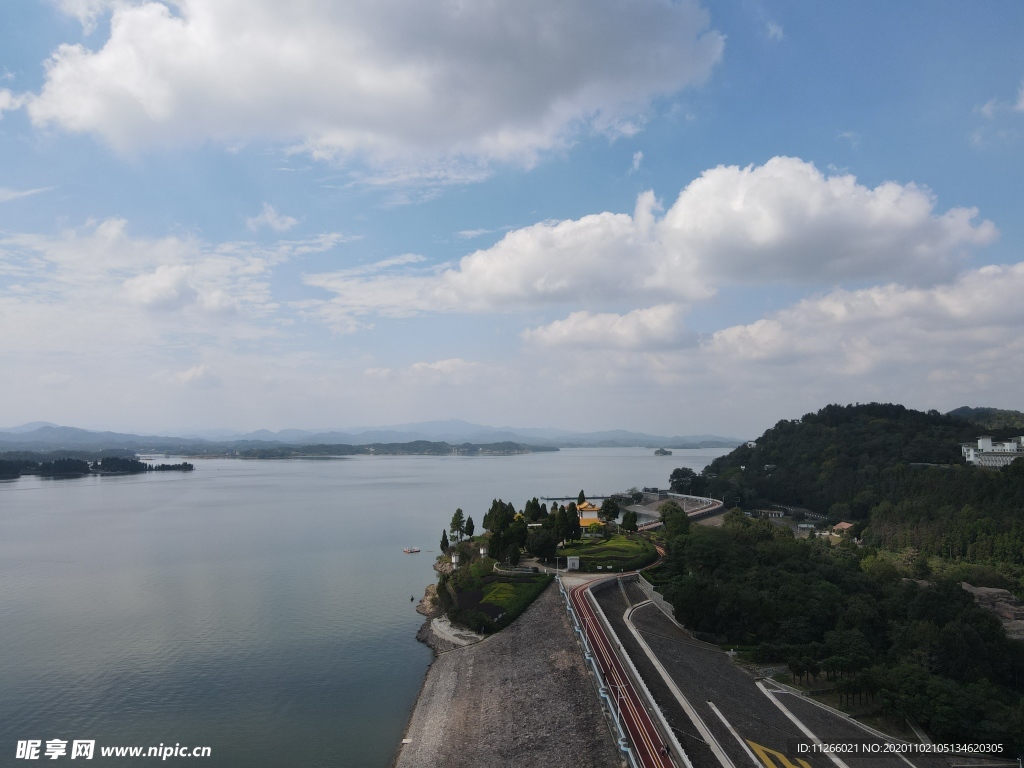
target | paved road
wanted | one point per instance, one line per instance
(726, 718)
(643, 733)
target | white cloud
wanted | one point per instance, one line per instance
(168, 287)
(1019, 106)
(269, 217)
(199, 376)
(782, 221)
(87, 11)
(450, 367)
(785, 220)
(10, 101)
(7, 194)
(971, 325)
(653, 327)
(774, 31)
(472, 234)
(99, 284)
(419, 84)
(638, 157)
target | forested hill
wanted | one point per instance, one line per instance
(841, 454)
(863, 463)
(991, 418)
(880, 612)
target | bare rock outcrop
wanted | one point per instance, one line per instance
(1003, 604)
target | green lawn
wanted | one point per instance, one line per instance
(514, 597)
(618, 553)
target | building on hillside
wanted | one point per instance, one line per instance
(840, 529)
(993, 455)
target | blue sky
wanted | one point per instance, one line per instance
(676, 217)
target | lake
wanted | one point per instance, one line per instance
(260, 608)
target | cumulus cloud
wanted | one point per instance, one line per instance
(783, 221)
(653, 327)
(964, 329)
(390, 80)
(269, 217)
(638, 157)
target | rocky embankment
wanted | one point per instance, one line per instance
(521, 697)
(1003, 604)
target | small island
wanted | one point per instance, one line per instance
(15, 464)
(663, 452)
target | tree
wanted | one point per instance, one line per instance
(561, 523)
(581, 498)
(541, 543)
(499, 516)
(680, 479)
(470, 527)
(685, 480)
(458, 526)
(609, 510)
(444, 541)
(574, 532)
(629, 520)
(675, 519)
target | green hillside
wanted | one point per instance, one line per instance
(884, 621)
(870, 464)
(991, 418)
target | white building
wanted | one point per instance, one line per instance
(993, 455)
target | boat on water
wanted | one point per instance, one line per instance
(411, 550)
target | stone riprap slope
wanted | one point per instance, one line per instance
(521, 697)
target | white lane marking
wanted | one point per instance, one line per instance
(708, 736)
(741, 742)
(847, 718)
(803, 728)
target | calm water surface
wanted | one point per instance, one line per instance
(260, 608)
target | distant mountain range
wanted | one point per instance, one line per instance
(48, 436)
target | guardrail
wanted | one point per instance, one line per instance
(602, 685)
(635, 677)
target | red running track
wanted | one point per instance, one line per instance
(636, 721)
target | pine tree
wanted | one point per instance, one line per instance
(458, 526)
(444, 541)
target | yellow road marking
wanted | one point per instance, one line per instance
(766, 756)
